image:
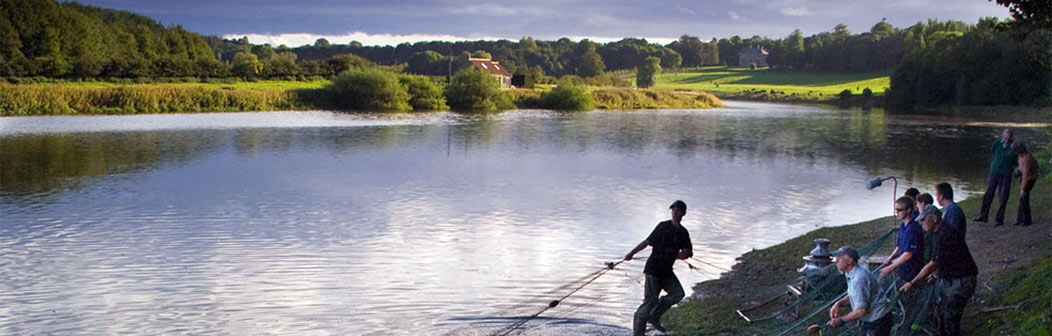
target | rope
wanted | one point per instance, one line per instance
(710, 264)
(554, 303)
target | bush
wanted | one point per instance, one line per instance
(645, 73)
(424, 95)
(568, 97)
(369, 90)
(474, 90)
(845, 95)
(867, 93)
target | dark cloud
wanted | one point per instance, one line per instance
(547, 19)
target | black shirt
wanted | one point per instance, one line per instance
(950, 253)
(666, 240)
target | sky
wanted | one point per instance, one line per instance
(389, 22)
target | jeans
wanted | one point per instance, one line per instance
(653, 307)
(881, 327)
(953, 296)
(993, 182)
(1023, 215)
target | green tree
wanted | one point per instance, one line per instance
(246, 65)
(474, 90)
(645, 73)
(282, 64)
(344, 62)
(369, 90)
(1034, 13)
(691, 49)
(424, 95)
(428, 63)
(589, 63)
(567, 96)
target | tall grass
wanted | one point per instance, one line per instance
(131, 99)
(629, 99)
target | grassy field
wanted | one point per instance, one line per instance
(731, 82)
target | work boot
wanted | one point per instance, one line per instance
(656, 323)
(979, 219)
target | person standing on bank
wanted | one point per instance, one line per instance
(955, 271)
(952, 214)
(670, 241)
(869, 304)
(1002, 165)
(1028, 171)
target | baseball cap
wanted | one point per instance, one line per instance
(848, 251)
(928, 211)
(678, 205)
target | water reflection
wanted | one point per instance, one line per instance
(327, 223)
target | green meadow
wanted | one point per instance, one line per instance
(728, 82)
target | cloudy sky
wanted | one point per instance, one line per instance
(381, 22)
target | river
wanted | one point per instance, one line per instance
(328, 223)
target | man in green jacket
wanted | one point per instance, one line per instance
(1002, 164)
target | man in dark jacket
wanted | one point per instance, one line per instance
(955, 271)
(670, 241)
(1002, 165)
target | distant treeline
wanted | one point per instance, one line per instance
(70, 40)
(935, 62)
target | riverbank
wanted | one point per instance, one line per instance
(762, 274)
(108, 98)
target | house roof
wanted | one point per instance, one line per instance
(753, 50)
(489, 65)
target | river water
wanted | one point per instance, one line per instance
(327, 223)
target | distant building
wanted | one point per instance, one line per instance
(753, 55)
(493, 68)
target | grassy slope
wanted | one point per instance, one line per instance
(762, 274)
(730, 82)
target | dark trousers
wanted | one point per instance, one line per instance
(953, 296)
(993, 182)
(653, 307)
(880, 327)
(1022, 216)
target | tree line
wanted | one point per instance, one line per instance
(934, 62)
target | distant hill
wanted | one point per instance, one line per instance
(71, 40)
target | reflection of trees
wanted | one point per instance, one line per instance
(917, 149)
(41, 164)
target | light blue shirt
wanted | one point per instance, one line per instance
(864, 292)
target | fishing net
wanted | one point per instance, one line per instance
(804, 309)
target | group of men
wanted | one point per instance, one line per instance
(950, 266)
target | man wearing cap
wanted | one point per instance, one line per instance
(954, 268)
(670, 241)
(1002, 164)
(869, 304)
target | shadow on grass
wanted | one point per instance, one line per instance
(724, 75)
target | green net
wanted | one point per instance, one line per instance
(804, 309)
